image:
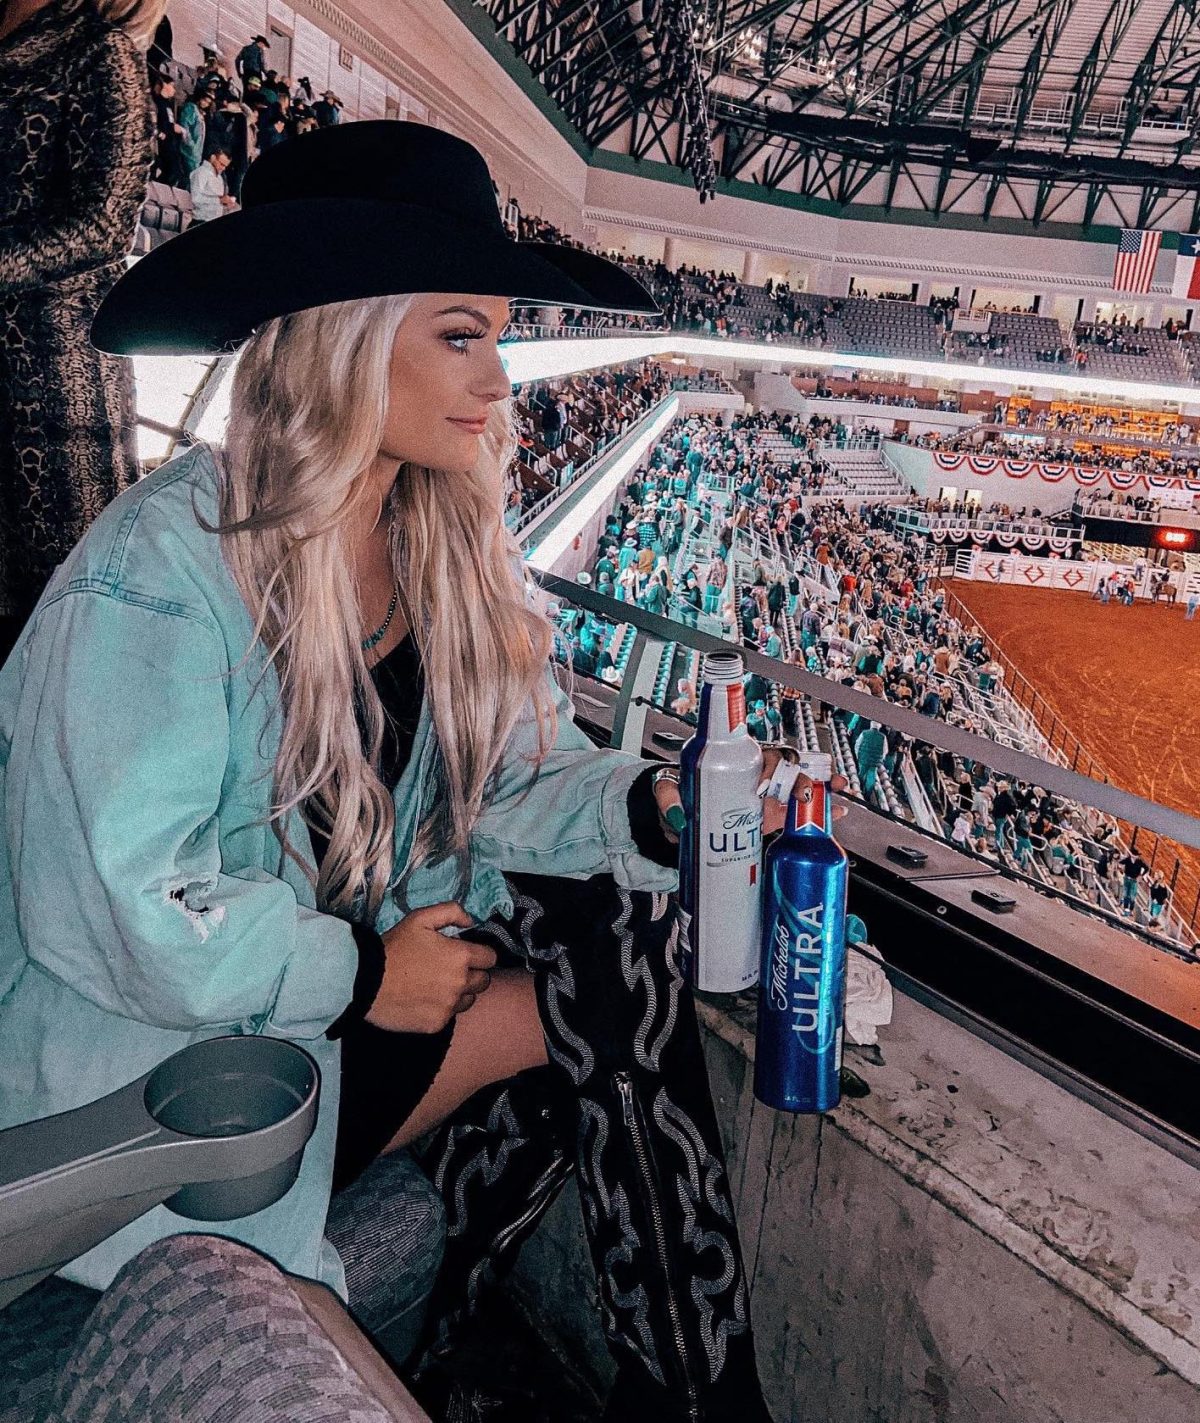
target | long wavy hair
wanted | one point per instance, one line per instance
(309, 402)
(138, 18)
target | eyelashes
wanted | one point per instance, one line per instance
(451, 337)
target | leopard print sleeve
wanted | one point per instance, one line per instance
(88, 213)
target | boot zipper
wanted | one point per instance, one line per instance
(539, 1188)
(625, 1088)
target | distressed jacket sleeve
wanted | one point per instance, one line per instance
(114, 783)
(573, 819)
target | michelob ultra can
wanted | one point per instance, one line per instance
(720, 856)
(802, 992)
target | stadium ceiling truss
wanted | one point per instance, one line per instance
(1077, 111)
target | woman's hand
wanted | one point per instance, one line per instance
(666, 793)
(429, 976)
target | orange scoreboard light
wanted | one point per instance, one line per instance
(1177, 540)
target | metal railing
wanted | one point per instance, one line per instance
(1110, 509)
(1019, 717)
(597, 451)
(1148, 821)
(926, 521)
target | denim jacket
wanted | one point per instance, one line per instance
(141, 909)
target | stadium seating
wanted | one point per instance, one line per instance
(388, 1227)
(1161, 362)
(1070, 857)
(165, 212)
(1025, 339)
(870, 327)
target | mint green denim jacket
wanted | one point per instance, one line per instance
(140, 907)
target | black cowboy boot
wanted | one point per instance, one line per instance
(621, 1030)
(498, 1163)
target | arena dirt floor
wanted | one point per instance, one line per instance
(1125, 680)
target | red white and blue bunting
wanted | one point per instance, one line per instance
(1052, 473)
(1059, 542)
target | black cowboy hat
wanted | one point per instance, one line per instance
(358, 210)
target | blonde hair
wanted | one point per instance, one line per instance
(138, 18)
(309, 404)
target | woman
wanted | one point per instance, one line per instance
(75, 156)
(203, 865)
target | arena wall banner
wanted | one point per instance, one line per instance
(1064, 573)
(1088, 476)
(1060, 543)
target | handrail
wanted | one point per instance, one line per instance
(925, 520)
(1069, 746)
(598, 452)
(1124, 805)
(1038, 872)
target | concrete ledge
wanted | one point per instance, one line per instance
(967, 1242)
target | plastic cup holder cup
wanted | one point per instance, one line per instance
(237, 1087)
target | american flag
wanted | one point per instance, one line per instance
(1136, 254)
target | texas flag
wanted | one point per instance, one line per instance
(1187, 267)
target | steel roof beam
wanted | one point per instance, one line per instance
(1098, 60)
(1040, 58)
(1158, 65)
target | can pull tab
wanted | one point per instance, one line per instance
(779, 785)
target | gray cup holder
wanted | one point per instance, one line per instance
(235, 1087)
(230, 1087)
(216, 1132)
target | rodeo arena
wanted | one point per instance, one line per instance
(814, 385)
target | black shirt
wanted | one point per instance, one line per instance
(399, 679)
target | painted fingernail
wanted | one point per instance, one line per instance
(675, 818)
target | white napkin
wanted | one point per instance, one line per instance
(868, 999)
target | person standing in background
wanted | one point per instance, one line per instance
(74, 72)
(327, 109)
(193, 118)
(169, 133)
(229, 129)
(251, 59)
(272, 128)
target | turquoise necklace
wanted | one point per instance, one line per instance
(371, 641)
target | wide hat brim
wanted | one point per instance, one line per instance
(205, 291)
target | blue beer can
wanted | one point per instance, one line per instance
(802, 983)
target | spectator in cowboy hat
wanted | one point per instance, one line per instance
(328, 109)
(385, 213)
(251, 60)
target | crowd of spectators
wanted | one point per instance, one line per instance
(1107, 423)
(206, 137)
(1119, 336)
(997, 509)
(890, 634)
(875, 397)
(862, 607)
(563, 424)
(1103, 504)
(1127, 460)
